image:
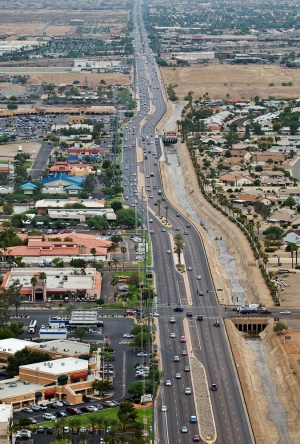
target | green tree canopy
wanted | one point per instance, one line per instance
(274, 232)
(24, 357)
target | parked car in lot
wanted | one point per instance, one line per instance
(27, 410)
(24, 433)
(49, 417)
(40, 429)
(108, 404)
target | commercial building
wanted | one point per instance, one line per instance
(55, 283)
(69, 375)
(6, 416)
(44, 204)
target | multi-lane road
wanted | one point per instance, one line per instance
(208, 342)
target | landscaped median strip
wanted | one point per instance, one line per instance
(206, 421)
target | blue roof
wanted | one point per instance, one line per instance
(73, 187)
(28, 186)
(62, 176)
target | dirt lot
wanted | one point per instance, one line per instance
(60, 30)
(21, 28)
(8, 152)
(236, 80)
(68, 77)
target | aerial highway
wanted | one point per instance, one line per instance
(209, 343)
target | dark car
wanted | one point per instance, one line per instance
(178, 309)
(244, 311)
(214, 387)
(49, 431)
(189, 314)
(65, 402)
(84, 409)
(60, 414)
(265, 312)
(199, 318)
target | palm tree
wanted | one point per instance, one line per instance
(158, 204)
(167, 208)
(93, 252)
(33, 282)
(258, 225)
(111, 434)
(57, 430)
(178, 245)
(92, 420)
(125, 420)
(109, 263)
(115, 262)
(74, 423)
(123, 251)
(292, 248)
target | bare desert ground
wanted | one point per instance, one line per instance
(68, 78)
(8, 151)
(21, 28)
(236, 80)
(60, 30)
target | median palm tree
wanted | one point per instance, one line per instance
(178, 246)
(158, 204)
(115, 262)
(167, 208)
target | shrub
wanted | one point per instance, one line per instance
(270, 250)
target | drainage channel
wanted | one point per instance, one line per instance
(276, 411)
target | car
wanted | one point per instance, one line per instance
(115, 402)
(27, 410)
(184, 353)
(164, 230)
(40, 429)
(184, 429)
(178, 309)
(108, 404)
(190, 269)
(201, 293)
(185, 232)
(49, 417)
(66, 429)
(43, 407)
(168, 382)
(188, 391)
(23, 433)
(196, 438)
(156, 315)
(182, 339)
(128, 335)
(176, 358)
(164, 408)
(172, 335)
(214, 387)
(60, 414)
(189, 314)
(177, 215)
(199, 317)
(36, 408)
(150, 220)
(178, 376)
(82, 430)
(193, 419)
(199, 277)
(264, 312)
(65, 402)
(49, 431)
(187, 368)
(142, 354)
(172, 320)
(169, 251)
(285, 312)
(33, 421)
(98, 406)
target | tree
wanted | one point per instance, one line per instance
(258, 225)
(140, 388)
(80, 332)
(93, 251)
(289, 202)
(167, 208)
(116, 205)
(178, 246)
(292, 248)
(158, 204)
(24, 357)
(8, 209)
(33, 282)
(127, 414)
(279, 327)
(123, 251)
(14, 294)
(17, 328)
(127, 218)
(102, 386)
(78, 263)
(274, 232)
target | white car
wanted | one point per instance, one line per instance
(285, 312)
(172, 335)
(164, 408)
(128, 335)
(156, 315)
(168, 382)
(49, 417)
(24, 432)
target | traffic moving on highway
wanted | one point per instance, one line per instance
(176, 415)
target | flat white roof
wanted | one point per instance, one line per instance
(83, 316)
(60, 203)
(58, 366)
(5, 412)
(57, 278)
(62, 346)
(12, 345)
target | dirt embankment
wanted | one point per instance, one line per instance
(249, 274)
(283, 354)
(257, 405)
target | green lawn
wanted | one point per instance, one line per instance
(107, 413)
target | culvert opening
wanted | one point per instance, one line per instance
(250, 326)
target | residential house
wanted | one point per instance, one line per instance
(248, 198)
(79, 169)
(284, 216)
(268, 157)
(236, 179)
(28, 187)
(284, 193)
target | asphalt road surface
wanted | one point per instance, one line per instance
(209, 343)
